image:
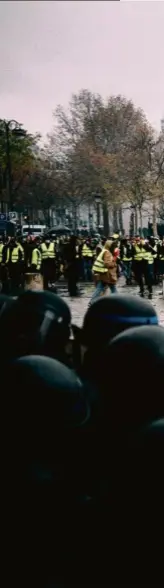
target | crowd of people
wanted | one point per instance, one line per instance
(83, 414)
(77, 259)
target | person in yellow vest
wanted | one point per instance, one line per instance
(143, 256)
(48, 254)
(13, 259)
(87, 256)
(34, 258)
(105, 272)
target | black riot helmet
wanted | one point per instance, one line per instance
(38, 322)
(106, 318)
(45, 408)
(136, 399)
(110, 315)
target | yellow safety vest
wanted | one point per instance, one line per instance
(87, 252)
(126, 258)
(22, 250)
(139, 253)
(48, 252)
(36, 258)
(14, 254)
(99, 266)
(1, 251)
(149, 257)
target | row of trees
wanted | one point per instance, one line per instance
(97, 149)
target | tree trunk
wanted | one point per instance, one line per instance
(121, 224)
(106, 219)
(136, 221)
(154, 220)
(131, 225)
(141, 222)
(74, 218)
(115, 220)
(98, 214)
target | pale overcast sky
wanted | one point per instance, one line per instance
(50, 49)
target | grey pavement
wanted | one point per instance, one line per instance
(79, 305)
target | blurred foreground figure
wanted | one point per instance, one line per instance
(135, 401)
(5, 302)
(37, 322)
(106, 318)
(46, 411)
(136, 492)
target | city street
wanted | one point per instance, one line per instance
(79, 305)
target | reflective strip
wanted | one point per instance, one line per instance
(135, 320)
(86, 252)
(149, 257)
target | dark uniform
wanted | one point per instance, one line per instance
(126, 259)
(71, 266)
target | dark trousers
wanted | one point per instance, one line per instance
(3, 279)
(72, 279)
(48, 272)
(87, 261)
(14, 277)
(144, 275)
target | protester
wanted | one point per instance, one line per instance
(105, 272)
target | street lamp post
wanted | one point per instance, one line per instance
(98, 202)
(9, 182)
(17, 132)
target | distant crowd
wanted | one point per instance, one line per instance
(76, 259)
